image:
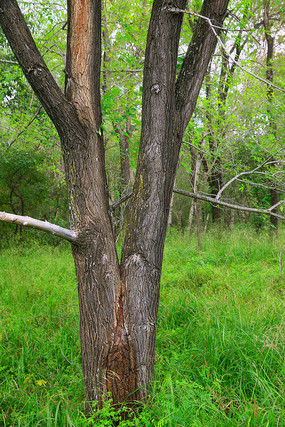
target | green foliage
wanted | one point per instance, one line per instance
(31, 185)
(121, 416)
(220, 342)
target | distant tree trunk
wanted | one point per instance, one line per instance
(270, 77)
(215, 176)
(170, 216)
(196, 167)
(118, 302)
(214, 172)
(126, 171)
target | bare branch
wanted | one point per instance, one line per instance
(238, 176)
(6, 61)
(26, 221)
(276, 205)
(228, 205)
(26, 127)
(257, 184)
(194, 146)
(121, 200)
(214, 201)
(176, 10)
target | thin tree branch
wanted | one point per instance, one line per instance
(228, 205)
(118, 202)
(196, 148)
(276, 205)
(176, 10)
(187, 86)
(257, 184)
(139, 70)
(26, 127)
(238, 176)
(214, 201)
(34, 68)
(6, 61)
(27, 221)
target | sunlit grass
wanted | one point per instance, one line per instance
(220, 342)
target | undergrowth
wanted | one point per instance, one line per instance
(220, 342)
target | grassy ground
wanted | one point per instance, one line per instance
(220, 343)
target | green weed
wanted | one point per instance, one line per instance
(220, 342)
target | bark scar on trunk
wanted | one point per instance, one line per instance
(121, 374)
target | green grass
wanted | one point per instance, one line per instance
(220, 343)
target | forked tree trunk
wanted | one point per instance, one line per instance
(118, 302)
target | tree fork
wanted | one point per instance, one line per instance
(118, 303)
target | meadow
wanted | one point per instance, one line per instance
(220, 341)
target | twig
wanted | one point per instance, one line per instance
(238, 176)
(257, 184)
(194, 146)
(26, 127)
(118, 202)
(6, 61)
(228, 205)
(176, 10)
(213, 201)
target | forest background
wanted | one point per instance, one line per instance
(236, 133)
(233, 151)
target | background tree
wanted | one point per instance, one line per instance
(237, 115)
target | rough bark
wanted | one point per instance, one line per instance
(77, 117)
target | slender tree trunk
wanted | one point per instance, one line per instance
(270, 77)
(214, 172)
(196, 167)
(107, 359)
(215, 176)
(126, 171)
(170, 216)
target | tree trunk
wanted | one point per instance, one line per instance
(196, 167)
(170, 216)
(270, 77)
(118, 303)
(214, 172)
(215, 176)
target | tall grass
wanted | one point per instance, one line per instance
(220, 342)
